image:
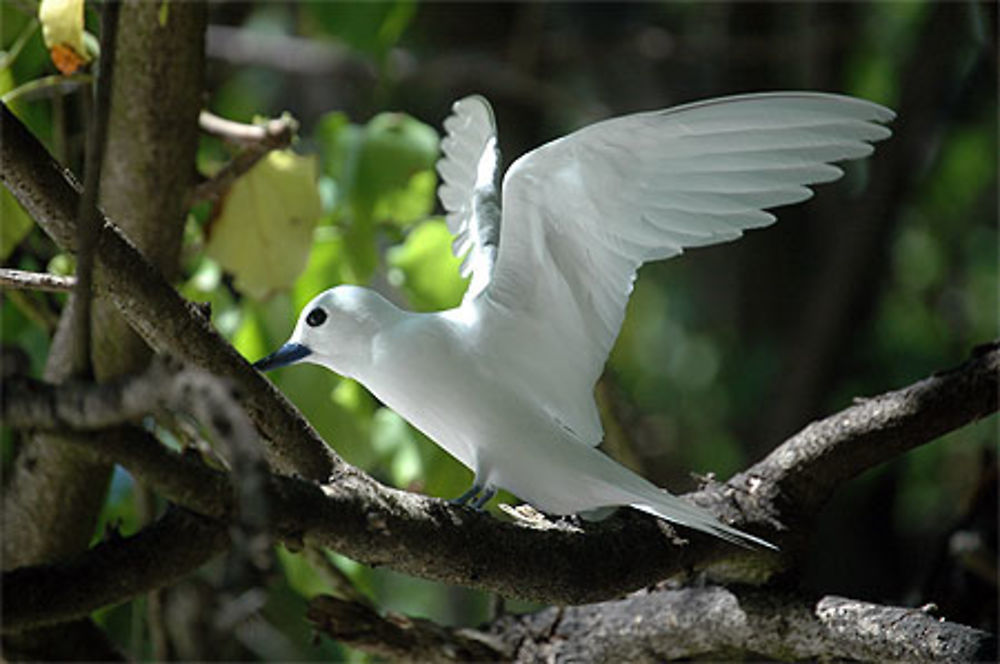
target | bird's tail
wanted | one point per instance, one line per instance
(678, 510)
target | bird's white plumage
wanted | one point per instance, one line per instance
(582, 213)
(470, 174)
(505, 381)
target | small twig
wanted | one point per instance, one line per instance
(88, 216)
(275, 133)
(41, 281)
(30, 403)
(33, 310)
(255, 139)
(40, 87)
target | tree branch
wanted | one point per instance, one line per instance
(561, 561)
(716, 622)
(151, 305)
(710, 622)
(54, 491)
(158, 555)
(88, 217)
(426, 538)
(401, 638)
(27, 403)
(43, 281)
(257, 140)
(797, 478)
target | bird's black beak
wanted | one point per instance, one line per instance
(287, 354)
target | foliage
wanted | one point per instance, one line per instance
(274, 205)
(689, 377)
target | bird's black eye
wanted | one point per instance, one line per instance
(316, 317)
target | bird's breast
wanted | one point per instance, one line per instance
(429, 378)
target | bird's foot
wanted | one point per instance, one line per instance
(476, 497)
(484, 497)
(468, 495)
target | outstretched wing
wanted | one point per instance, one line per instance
(582, 213)
(470, 189)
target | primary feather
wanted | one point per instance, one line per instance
(582, 213)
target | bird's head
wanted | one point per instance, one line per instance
(334, 330)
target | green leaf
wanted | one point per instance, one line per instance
(394, 147)
(372, 27)
(411, 203)
(327, 267)
(16, 223)
(264, 228)
(426, 269)
(381, 173)
(62, 30)
(393, 440)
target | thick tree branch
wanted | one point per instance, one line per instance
(87, 406)
(424, 537)
(401, 638)
(27, 403)
(54, 491)
(800, 474)
(717, 622)
(151, 305)
(711, 622)
(564, 562)
(160, 554)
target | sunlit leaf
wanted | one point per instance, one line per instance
(393, 439)
(16, 223)
(339, 140)
(410, 203)
(300, 575)
(62, 30)
(394, 147)
(381, 173)
(428, 269)
(264, 227)
(326, 267)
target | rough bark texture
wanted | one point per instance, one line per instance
(55, 492)
(562, 562)
(706, 623)
(167, 321)
(720, 623)
(159, 555)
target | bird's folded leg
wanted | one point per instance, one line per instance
(468, 495)
(484, 497)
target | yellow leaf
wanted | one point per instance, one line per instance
(264, 226)
(62, 30)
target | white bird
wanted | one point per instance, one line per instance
(504, 382)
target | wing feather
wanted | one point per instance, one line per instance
(582, 213)
(469, 191)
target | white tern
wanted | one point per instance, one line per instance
(504, 382)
